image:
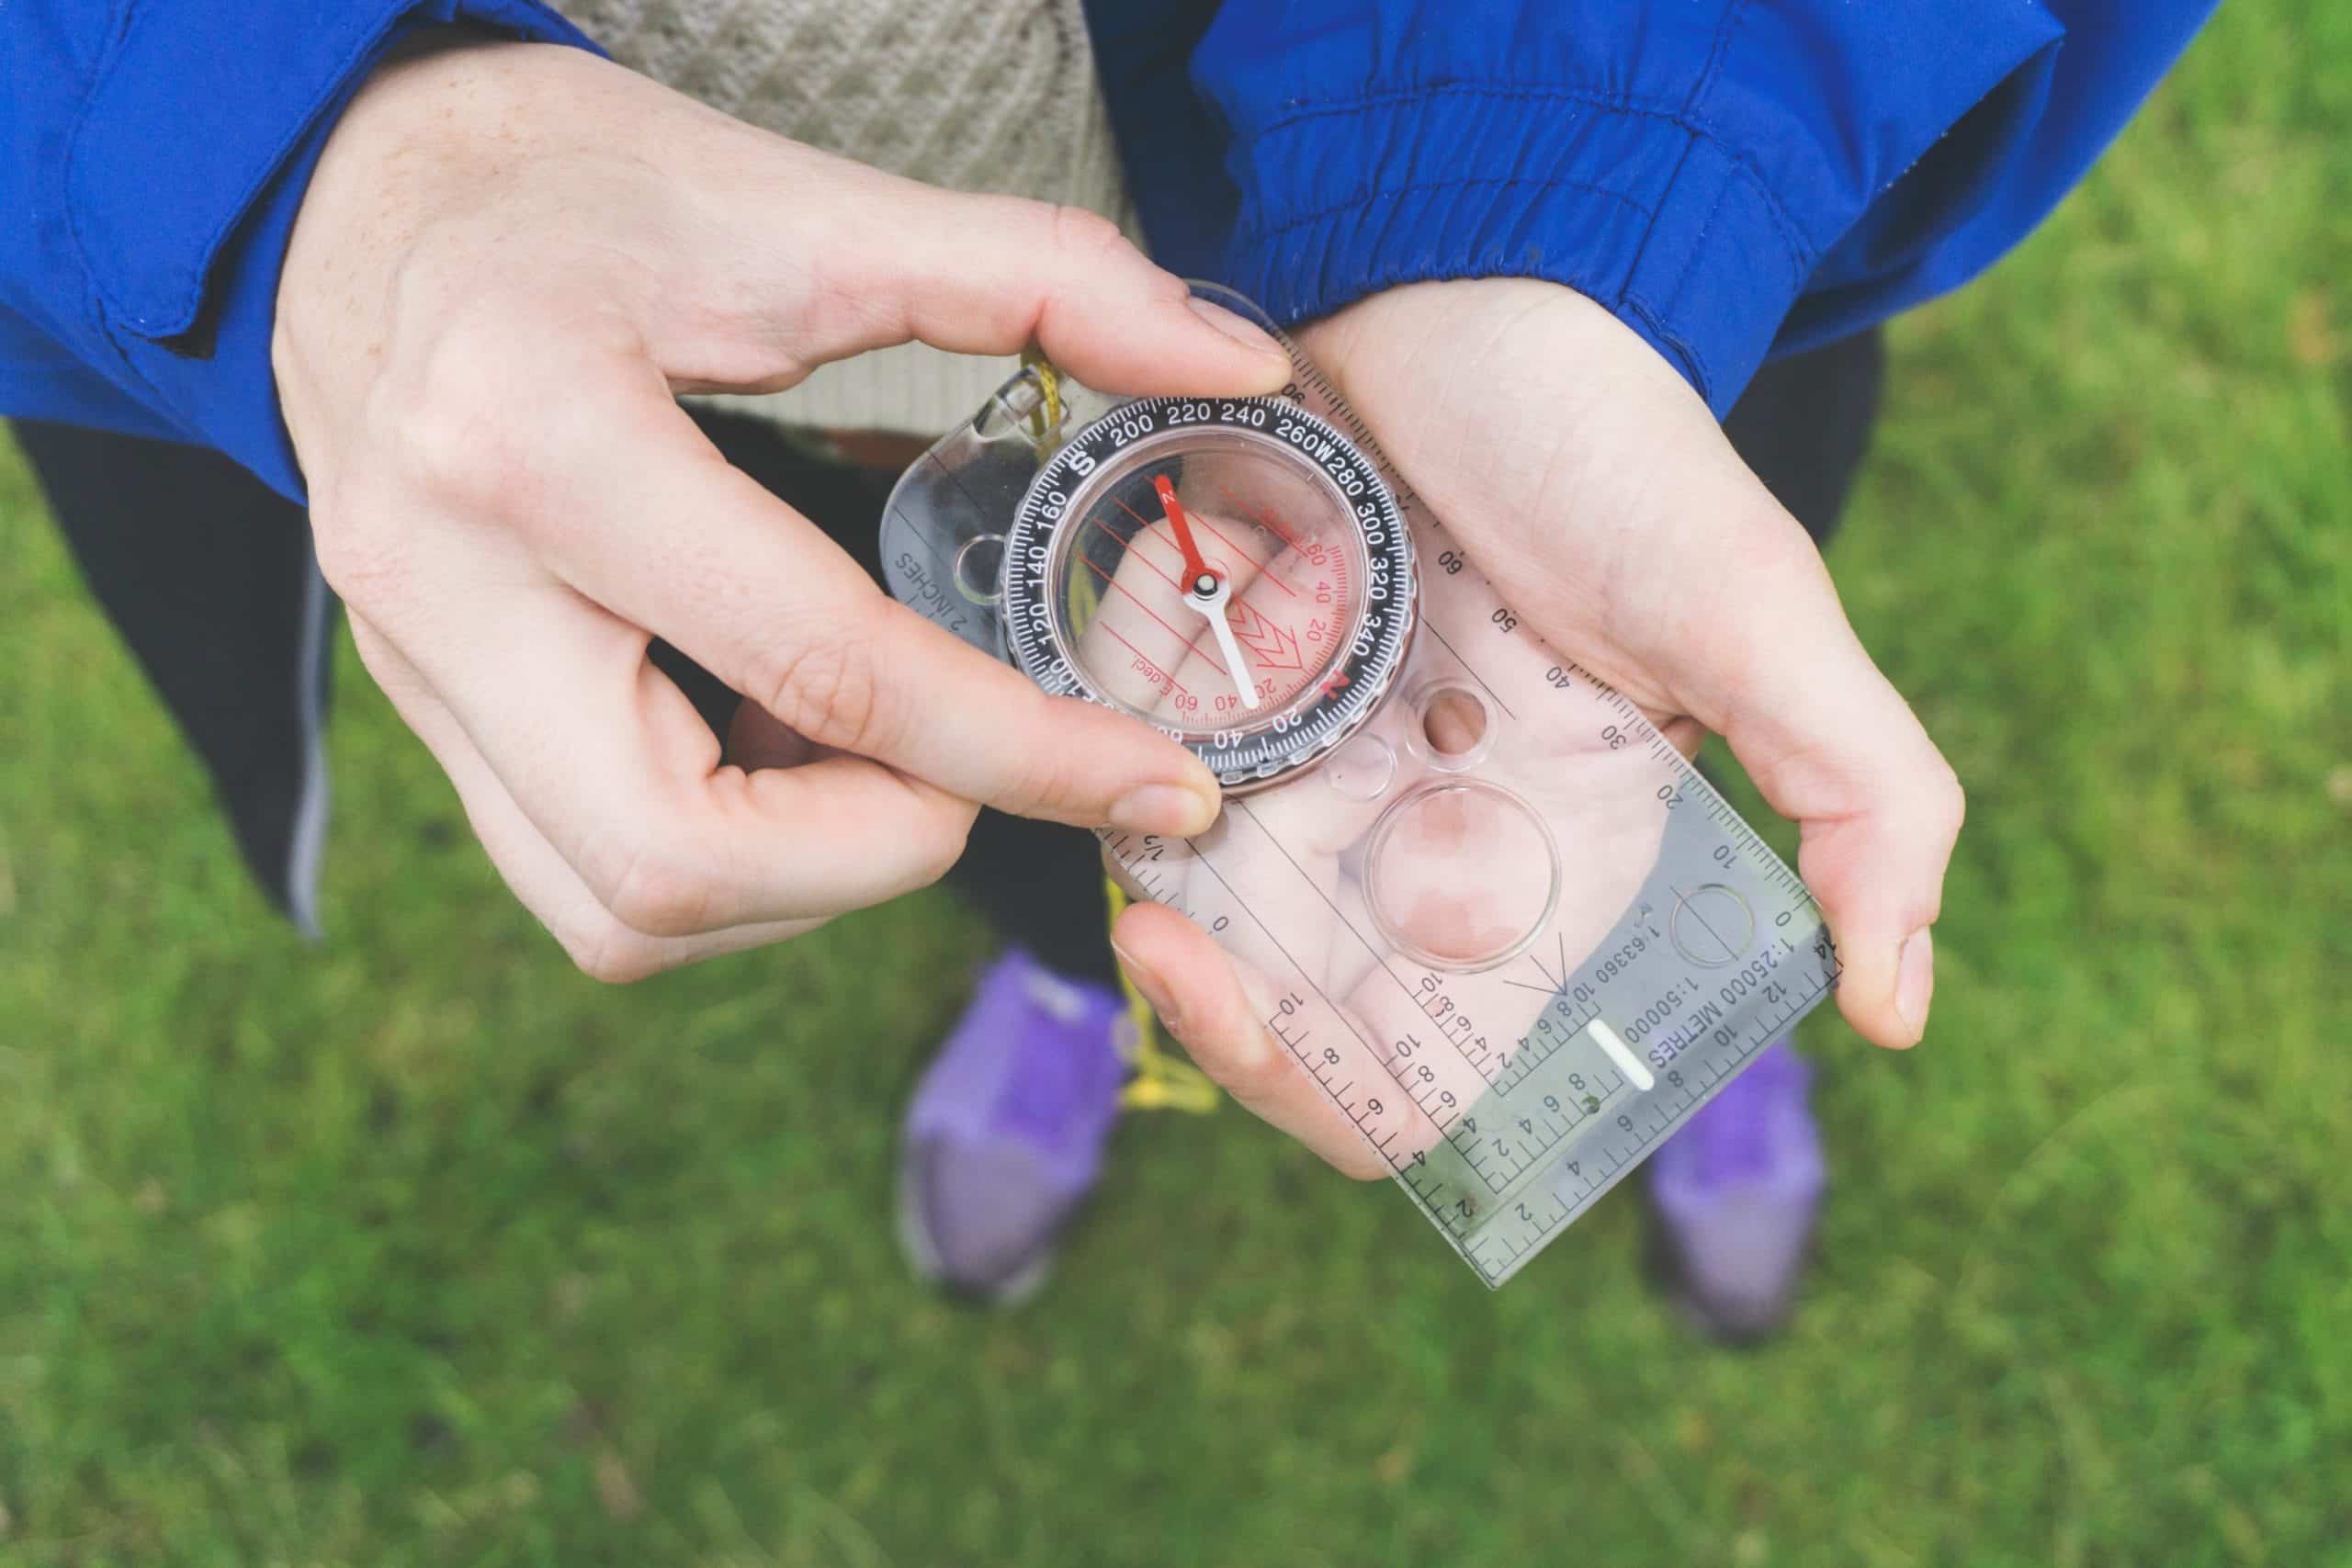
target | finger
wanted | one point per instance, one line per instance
(990, 274)
(1831, 744)
(1685, 734)
(612, 765)
(1199, 994)
(600, 943)
(755, 594)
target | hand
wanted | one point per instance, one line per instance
(509, 261)
(1578, 470)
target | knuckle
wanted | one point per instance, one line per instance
(610, 954)
(1774, 546)
(1083, 234)
(1947, 801)
(453, 417)
(450, 445)
(829, 689)
(1054, 778)
(1256, 1074)
(656, 891)
(360, 556)
(927, 850)
(1089, 245)
(946, 848)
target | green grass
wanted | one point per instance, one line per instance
(418, 1249)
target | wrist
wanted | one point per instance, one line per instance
(1524, 340)
(418, 141)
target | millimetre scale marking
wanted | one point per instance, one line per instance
(1637, 1071)
(1190, 645)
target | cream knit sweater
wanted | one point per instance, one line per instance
(996, 95)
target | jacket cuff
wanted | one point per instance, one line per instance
(1701, 235)
(180, 213)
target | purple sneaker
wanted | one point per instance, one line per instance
(1736, 1190)
(1007, 1129)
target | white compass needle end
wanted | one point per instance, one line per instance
(1213, 606)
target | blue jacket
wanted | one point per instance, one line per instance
(1732, 177)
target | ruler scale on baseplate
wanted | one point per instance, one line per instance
(1508, 930)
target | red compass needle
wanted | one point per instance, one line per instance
(1199, 578)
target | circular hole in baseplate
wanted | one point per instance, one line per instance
(1462, 874)
(1712, 925)
(1454, 722)
(978, 567)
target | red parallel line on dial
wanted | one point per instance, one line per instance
(1273, 524)
(1147, 658)
(1204, 523)
(1264, 571)
(1191, 647)
(1127, 546)
(1276, 528)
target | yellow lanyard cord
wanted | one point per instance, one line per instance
(1047, 416)
(1162, 1082)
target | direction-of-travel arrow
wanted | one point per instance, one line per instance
(1273, 646)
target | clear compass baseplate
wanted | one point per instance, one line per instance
(1507, 927)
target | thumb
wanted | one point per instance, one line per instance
(1833, 746)
(990, 273)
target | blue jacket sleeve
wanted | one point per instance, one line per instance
(1732, 177)
(152, 158)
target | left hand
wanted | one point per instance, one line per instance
(1579, 468)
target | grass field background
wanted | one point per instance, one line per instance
(417, 1247)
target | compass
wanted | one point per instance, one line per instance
(1232, 570)
(1575, 941)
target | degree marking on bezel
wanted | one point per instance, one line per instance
(1030, 538)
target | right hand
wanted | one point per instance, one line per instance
(509, 261)
(1578, 469)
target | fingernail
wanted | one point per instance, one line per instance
(1147, 983)
(1234, 327)
(1168, 809)
(1915, 980)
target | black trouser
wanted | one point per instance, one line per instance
(199, 565)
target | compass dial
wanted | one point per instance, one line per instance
(1232, 570)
